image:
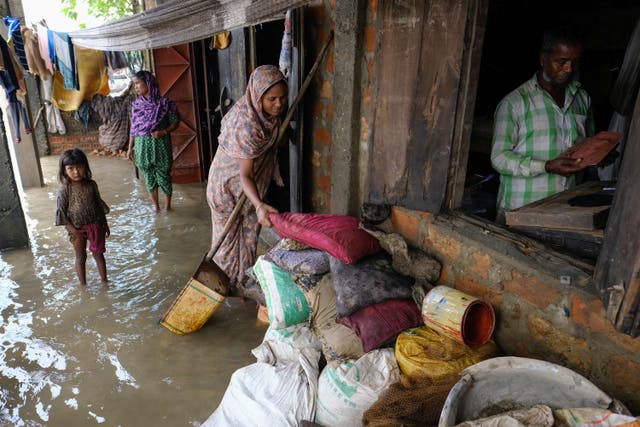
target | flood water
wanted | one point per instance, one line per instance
(73, 356)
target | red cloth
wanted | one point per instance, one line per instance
(380, 323)
(338, 235)
(96, 234)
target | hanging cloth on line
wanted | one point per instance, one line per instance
(54, 118)
(32, 51)
(285, 52)
(220, 41)
(115, 60)
(83, 114)
(66, 60)
(13, 26)
(14, 78)
(92, 77)
(17, 112)
(43, 46)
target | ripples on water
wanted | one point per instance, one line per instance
(71, 356)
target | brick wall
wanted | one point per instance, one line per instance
(537, 315)
(86, 143)
(318, 158)
(77, 136)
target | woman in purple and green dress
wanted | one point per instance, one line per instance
(247, 138)
(153, 118)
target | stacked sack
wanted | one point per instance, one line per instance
(329, 275)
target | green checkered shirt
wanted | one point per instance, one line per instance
(529, 129)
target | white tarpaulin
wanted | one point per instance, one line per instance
(178, 22)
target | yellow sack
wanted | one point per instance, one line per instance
(424, 352)
(92, 76)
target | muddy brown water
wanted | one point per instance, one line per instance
(72, 356)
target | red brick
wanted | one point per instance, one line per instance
(315, 158)
(364, 130)
(531, 289)
(620, 371)
(370, 38)
(326, 90)
(86, 143)
(445, 276)
(466, 284)
(329, 112)
(324, 183)
(442, 244)
(558, 347)
(366, 96)
(318, 109)
(591, 315)
(322, 136)
(625, 342)
(481, 264)
(329, 62)
(373, 7)
(370, 64)
(404, 224)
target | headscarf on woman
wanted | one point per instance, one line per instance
(147, 113)
(247, 131)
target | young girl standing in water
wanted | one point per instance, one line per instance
(82, 212)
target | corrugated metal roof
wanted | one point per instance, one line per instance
(181, 22)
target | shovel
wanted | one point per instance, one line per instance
(209, 286)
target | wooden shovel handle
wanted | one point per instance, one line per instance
(283, 128)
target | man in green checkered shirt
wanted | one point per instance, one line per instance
(537, 122)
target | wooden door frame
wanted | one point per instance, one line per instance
(470, 72)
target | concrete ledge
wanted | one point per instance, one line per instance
(538, 314)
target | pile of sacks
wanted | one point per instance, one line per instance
(346, 343)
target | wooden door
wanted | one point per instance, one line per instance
(174, 74)
(415, 118)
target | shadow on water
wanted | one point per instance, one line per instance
(72, 356)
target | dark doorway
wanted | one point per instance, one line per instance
(510, 56)
(268, 43)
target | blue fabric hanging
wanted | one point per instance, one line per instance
(83, 114)
(13, 25)
(66, 60)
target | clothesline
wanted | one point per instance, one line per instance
(181, 22)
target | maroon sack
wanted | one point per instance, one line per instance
(380, 323)
(338, 235)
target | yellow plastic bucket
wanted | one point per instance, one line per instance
(464, 318)
(199, 299)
